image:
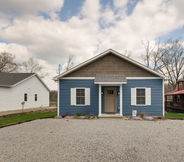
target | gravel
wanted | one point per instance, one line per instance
(108, 140)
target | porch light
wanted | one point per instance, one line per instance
(102, 92)
(118, 93)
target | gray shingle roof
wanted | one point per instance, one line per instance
(10, 79)
(110, 78)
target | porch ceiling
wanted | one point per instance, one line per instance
(110, 79)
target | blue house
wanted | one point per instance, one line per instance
(110, 84)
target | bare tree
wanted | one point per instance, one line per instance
(32, 66)
(167, 59)
(173, 61)
(127, 53)
(7, 63)
(70, 62)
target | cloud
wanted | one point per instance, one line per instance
(33, 28)
(20, 8)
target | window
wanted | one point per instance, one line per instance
(25, 96)
(178, 98)
(35, 97)
(180, 84)
(140, 97)
(80, 96)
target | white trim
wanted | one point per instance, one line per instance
(103, 54)
(148, 96)
(87, 96)
(163, 97)
(121, 98)
(73, 96)
(134, 78)
(78, 78)
(58, 96)
(136, 96)
(31, 77)
(100, 101)
(110, 83)
(133, 96)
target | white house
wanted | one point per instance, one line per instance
(22, 90)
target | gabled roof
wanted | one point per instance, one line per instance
(103, 54)
(13, 79)
(176, 91)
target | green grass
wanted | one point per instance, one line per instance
(19, 118)
(174, 115)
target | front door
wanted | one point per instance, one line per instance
(110, 99)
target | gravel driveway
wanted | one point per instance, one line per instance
(105, 140)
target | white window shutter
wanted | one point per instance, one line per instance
(133, 96)
(148, 96)
(73, 96)
(87, 96)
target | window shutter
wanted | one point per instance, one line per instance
(133, 96)
(87, 96)
(73, 96)
(148, 96)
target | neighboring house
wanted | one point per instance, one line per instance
(19, 88)
(175, 100)
(110, 83)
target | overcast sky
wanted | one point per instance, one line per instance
(52, 30)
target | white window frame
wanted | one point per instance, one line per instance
(134, 96)
(73, 96)
(80, 96)
(139, 96)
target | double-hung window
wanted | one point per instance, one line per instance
(80, 96)
(140, 96)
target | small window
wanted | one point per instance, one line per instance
(180, 84)
(110, 92)
(35, 97)
(25, 96)
(140, 97)
(178, 98)
(80, 96)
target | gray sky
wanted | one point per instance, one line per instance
(52, 30)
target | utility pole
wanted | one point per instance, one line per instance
(59, 69)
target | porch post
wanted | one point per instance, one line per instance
(121, 100)
(99, 101)
(58, 96)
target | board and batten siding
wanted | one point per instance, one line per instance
(156, 107)
(11, 98)
(65, 97)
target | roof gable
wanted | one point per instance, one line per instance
(13, 79)
(112, 62)
(10, 79)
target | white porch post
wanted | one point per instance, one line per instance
(99, 100)
(58, 96)
(121, 100)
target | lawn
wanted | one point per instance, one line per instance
(19, 118)
(174, 115)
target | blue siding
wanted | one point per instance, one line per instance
(66, 107)
(156, 107)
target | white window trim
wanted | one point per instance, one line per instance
(134, 90)
(74, 103)
(136, 96)
(80, 96)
